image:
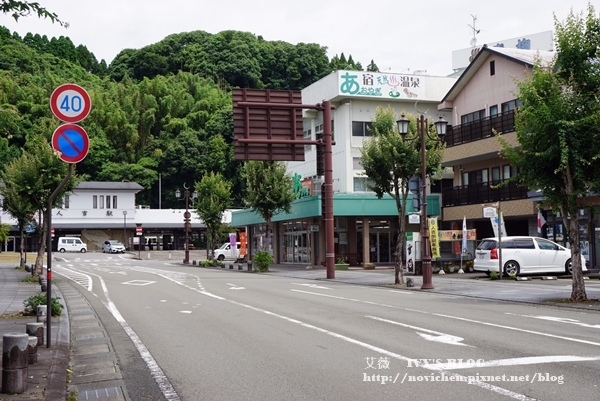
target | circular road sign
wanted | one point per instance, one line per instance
(72, 142)
(70, 103)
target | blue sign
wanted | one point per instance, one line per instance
(72, 143)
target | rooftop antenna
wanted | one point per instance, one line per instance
(475, 31)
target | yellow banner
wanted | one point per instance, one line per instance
(434, 238)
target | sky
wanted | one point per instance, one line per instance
(399, 36)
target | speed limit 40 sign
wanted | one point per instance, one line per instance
(70, 103)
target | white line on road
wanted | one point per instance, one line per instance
(558, 319)
(531, 360)
(391, 354)
(312, 286)
(437, 336)
(458, 318)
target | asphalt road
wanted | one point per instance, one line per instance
(204, 334)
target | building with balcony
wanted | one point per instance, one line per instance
(483, 102)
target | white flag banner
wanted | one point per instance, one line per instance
(464, 235)
(541, 221)
(495, 225)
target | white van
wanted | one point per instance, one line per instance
(226, 251)
(71, 244)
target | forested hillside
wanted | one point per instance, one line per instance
(162, 110)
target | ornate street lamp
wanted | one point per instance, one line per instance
(440, 127)
(187, 225)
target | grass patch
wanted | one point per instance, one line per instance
(568, 301)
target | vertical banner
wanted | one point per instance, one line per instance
(243, 246)
(464, 235)
(233, 240)
(434, 237)
(495, 223)
(410, 252)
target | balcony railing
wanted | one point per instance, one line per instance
(480, 129)
(481, 193)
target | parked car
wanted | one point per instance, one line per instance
(113, 246)
(227, 252)
(523, 255)
(71, 244)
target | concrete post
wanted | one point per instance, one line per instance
(32, 350)
(37, 330)
(42, 313)
(15, 360)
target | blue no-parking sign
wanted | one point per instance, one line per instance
(72, 143)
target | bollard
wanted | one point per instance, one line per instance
(249, 265)
(37, 330)
(44, 285)
(41, 278)
(239, 267)
(32, 350)
(15, 359)
(231, 266)
(42, 313)
(194, 262)
(222, 265)
(148, 255)
(169, 255)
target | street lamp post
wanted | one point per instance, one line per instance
(125, 228)
(440, 127)
(187, 225)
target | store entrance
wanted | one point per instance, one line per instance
(296, 247)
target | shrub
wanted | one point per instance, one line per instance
(33, 301)
(262, 260)
(494, 275)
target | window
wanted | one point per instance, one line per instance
(114, 201)
(95, 201)
(357, 163)
(496, 174)
(474, 116)
(362, 128)
(307, 135)
(108, 201)
(511, 105)
(524, 243)
(101, 203)
(465, 178)
(493, 67)
(360, 184)
(66, 201)
(493, 110)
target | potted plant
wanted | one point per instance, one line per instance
(262, 260)
(341, 264)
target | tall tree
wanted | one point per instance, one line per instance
(390, 161)
(269, 191)
(558, 128)
(29, 181)
(214, 197)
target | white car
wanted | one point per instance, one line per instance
(523, 255)
(226, 251)
(113, 246)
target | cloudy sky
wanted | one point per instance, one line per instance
(398, 35)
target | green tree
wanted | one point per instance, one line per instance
(558, 128)
(390, 161)
(19, 9)
(269, 190)
(28, 183)
(214, 197)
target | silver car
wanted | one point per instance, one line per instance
(523, 255)
(113, 246)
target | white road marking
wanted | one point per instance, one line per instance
(185, 311)
(458, 318)
(559, 319)
(138, 282)
(464, 379)
(312, 286)
(532, 360)
(235, 287)
(155, 370)
(432, 336)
